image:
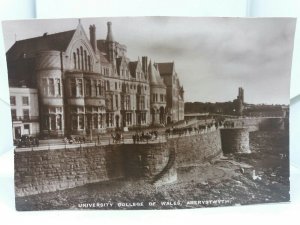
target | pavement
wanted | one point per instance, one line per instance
(104, 139)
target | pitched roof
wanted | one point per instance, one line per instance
(166, 68)
(57, 41)
(103, 58)
(101, 45)
(155, 78)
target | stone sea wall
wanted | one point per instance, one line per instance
(50, 170)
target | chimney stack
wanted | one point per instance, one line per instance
(109, 36)
(93, 37)
(145, 65)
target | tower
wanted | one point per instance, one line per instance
(241, 94)
(239, 102)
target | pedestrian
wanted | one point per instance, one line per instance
(134, 138)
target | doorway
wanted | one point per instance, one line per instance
(17, 131)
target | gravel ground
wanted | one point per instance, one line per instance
(240, 179)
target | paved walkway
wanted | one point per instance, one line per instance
(54, 144)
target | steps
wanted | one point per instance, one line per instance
(170, 164)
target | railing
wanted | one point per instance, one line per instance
(25, 118)
(55, 144)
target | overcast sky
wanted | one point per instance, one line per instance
(213, 56)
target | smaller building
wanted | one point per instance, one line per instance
(24, 111)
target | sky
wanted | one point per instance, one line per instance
(213, 56)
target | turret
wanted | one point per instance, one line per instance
(110, 44)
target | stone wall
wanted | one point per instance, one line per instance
(51, 170)
(235, 140)
(145, 160)
(44, 171)
(261, 123)
(196, 148)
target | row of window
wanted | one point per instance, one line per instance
(125, 87)
(87, 122)
(81, 60)
(52, 122)
(112, 102)
(87, 109)
(126, 121)
(25, 100)
(155, 98)
(52, 110)
(125, 73)
(105, 71)
(51, 86)
(25, 115)
(94, 121)
(52, 118)
(86, 87)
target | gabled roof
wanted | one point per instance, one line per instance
(57, 41)
(166, 68)
(155, 78)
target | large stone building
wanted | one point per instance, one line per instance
(87, 85)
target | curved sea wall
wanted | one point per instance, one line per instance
(50, 170)
(235, 140)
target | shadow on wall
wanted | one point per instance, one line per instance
(274, 124)
(114, 162)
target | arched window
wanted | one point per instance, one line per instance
(74, 60)
(89, 63)
(85, 61)
(78, 59)
(81, 56)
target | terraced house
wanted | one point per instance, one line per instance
(88, 85)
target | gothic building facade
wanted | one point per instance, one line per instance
(86, 85)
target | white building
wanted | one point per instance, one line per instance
(24, 111)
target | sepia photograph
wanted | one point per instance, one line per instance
(149, 112)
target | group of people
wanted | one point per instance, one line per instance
(198, 129)
(145, 136)
(229, 124)
(74, 140)
(117, 137)
(141, 137)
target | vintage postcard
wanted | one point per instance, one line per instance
(149, 112)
